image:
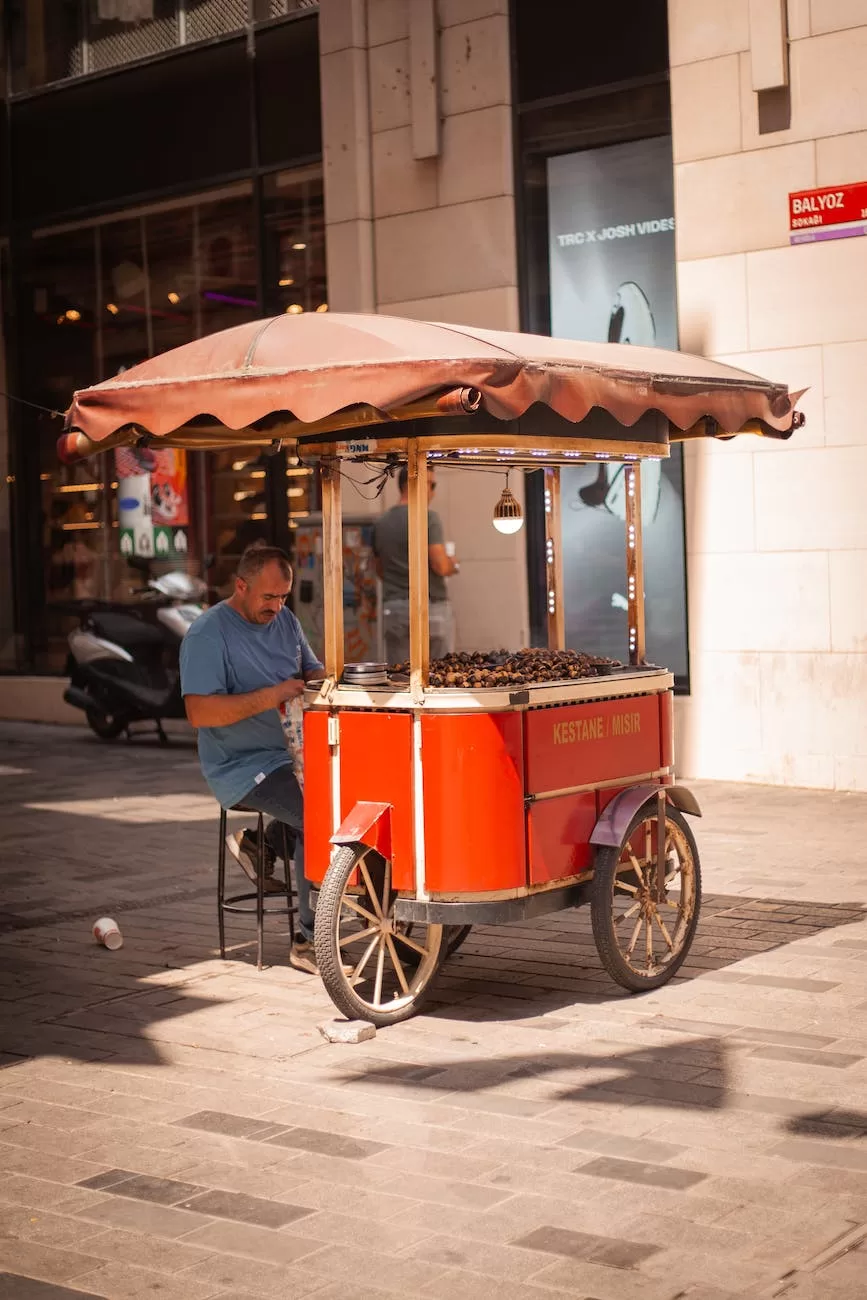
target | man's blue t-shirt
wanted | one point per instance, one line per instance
(224, 654)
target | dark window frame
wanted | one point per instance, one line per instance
(543, 128)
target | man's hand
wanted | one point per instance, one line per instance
(290, 689)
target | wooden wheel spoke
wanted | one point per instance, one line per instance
(637, 867)
(411, 943)
(666, 936)
(396, 963)
(361, 934)
(635, 933)
(648, 947)
(624, 916)
(380, 967)
(371, 892)
(356, 974)
(349, 901)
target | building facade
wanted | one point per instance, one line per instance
(618, 175)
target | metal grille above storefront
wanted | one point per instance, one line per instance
(78, 38)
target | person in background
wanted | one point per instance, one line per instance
(391, 548)
(240, 661)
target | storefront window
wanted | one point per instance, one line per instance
(101, 298)
(9, 648)
(59, 352)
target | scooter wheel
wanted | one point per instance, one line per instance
(105, 725)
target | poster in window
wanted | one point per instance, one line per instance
(612, 279)
(153, 510)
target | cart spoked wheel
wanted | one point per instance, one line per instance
(453, 937)
(373, 967)
(642, 933)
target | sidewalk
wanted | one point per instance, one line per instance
(174, 1126)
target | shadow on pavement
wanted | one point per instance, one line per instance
(132, 832)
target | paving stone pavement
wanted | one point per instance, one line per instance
(175, 1125)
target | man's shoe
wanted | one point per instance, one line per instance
(243, 848)
(303, 957)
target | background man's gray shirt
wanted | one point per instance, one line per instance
(391, 545)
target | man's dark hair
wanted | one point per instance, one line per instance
(256, 556)
(402, 479)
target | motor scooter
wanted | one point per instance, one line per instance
(123, 658)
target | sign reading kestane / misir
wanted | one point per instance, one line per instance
(835, 212)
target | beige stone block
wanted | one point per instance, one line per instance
(828, 89)
(811, 500)
(387, 20)
(806, 294)
(475, 65)
(712, 305)
(798, 368)
(446, 250)
(798, 19)
(848, 582)
(845, 365)
(829, 82)
(341, 25)
(723, 722)
(390, 101)
(494, 309)
(490, 605)
(850, 773)
(401, 183)
(706, 109)
(476, 161)
(345, 135)
(836, 15)
(349, 263)
(738, 203)
(758, 602)
(705, 29)
(37, 699)
(719, 498)
(814, 709)
(452, 12)
(841, 159)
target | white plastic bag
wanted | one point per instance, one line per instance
(292, 718)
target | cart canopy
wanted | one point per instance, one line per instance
(295, 375)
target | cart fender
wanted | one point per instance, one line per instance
(611, 826)
(368, 823)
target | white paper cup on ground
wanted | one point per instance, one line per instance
(107, 932)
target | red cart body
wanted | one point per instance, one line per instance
(509, 796)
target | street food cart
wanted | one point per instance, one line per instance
(484, 788)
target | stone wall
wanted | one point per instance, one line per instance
(430, 237)
(777, 532)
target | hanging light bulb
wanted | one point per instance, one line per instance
(508, 516)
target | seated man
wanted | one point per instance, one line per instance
(240, 661)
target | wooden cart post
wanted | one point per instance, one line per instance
(634, 564)
(554, 562)
(419, 621)
(332, 566)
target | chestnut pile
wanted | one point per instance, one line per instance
(521, 668)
